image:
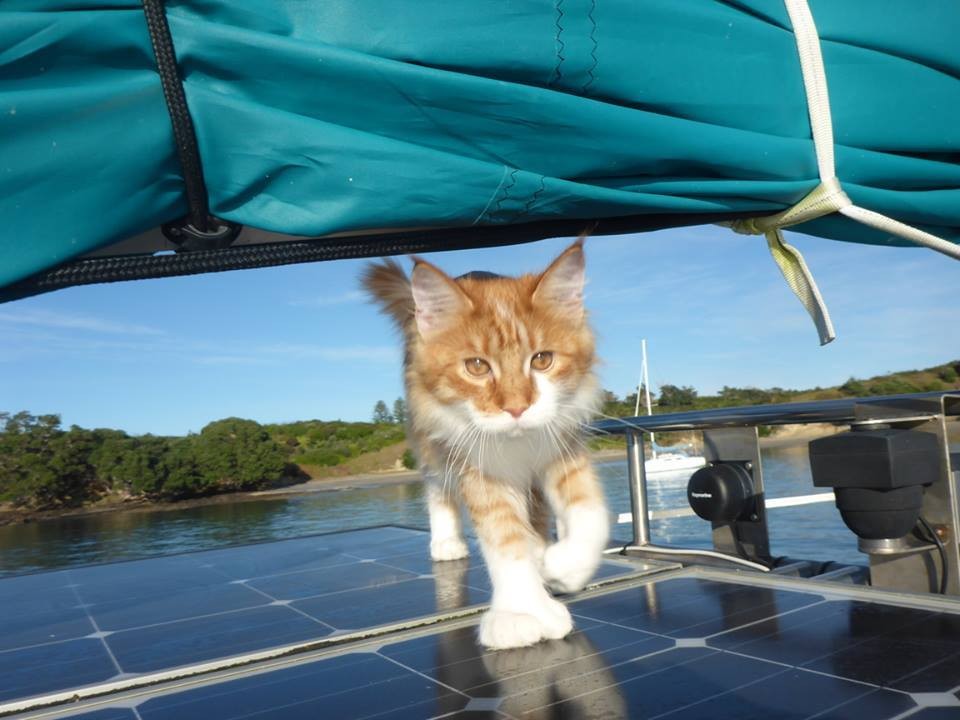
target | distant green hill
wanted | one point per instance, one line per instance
(673, 398)
(43, 465)
(327, 443)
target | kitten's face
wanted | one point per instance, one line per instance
(504, 355)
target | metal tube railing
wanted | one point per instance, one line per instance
(843, 411)
(802, 413)
(637, 476)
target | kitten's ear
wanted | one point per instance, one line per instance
(561, 285)
(437, 298)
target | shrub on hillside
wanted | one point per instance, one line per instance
(408, 460)
(42, 465)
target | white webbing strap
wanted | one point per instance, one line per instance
(824, 199)
(800, 280)
(828, 196)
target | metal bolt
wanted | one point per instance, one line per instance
(942, 531)
(748, 465)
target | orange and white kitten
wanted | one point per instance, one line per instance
(499, 378)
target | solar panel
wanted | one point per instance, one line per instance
(77, 627)
(677, 646)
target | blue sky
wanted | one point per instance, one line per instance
(300, 342)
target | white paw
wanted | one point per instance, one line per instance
(567, 568)
(501, 629)
(450, 548)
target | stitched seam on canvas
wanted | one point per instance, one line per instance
(561, 46)
(593, 48)
(533, 198)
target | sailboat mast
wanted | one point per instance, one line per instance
(646, 389)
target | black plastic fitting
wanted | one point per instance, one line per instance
(878, 475)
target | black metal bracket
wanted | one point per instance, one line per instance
(219, 234)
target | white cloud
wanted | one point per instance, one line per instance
(281, 353)
(68, 321)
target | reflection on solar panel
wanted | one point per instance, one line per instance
(79, 627)
(674, 646)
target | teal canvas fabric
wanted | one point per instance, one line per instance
(322, 117)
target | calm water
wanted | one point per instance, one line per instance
(811, 531)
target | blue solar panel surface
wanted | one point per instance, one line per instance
(83, 626)
(675, 648)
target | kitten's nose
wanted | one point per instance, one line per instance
(516, 412)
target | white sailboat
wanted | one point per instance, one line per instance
(662, 462)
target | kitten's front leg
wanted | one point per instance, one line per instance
(521, 611)
(446, 535)
(577, 501)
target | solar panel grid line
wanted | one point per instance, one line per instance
(200, 616)
(710, 698)
(467, 585)
(864, 683)
(878, 659)
(146, 680)
(831, 590)
(620, 626)
(849, 689)
(289, 605)
(599, 677)
(423, 675)
(604, 682)
(678, 603)
(760, 621)
(407, 576)
(757, 684)
(401, 625)
(99, 632)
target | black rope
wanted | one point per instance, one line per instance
(88, 271)
(183, 131)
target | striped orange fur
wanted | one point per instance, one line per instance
(499, 380)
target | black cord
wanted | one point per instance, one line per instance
(183, 133)
(934, 538)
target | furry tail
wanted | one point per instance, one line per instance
(389, 285)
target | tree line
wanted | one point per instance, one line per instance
(44, 465)
(382, 414)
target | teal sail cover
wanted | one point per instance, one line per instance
(315, 118)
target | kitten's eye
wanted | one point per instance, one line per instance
(541, 361)
(477, 366)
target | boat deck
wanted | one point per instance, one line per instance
(362, 625)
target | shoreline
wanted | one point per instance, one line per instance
(320, 485)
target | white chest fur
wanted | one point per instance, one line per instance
(515, 460)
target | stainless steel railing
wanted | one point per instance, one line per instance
(920, 409)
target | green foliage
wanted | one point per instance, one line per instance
(44, 466)
(672, 396)
(381, 414)
(144, 468)
(399, 411)
(235, 454)
(408, 460)
(329, 443)
(854, 388)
